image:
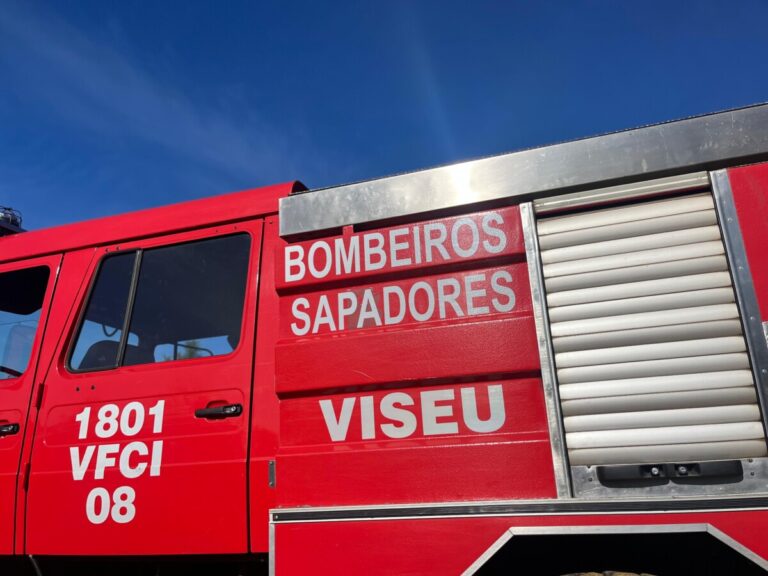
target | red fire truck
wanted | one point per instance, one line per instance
(546, 362)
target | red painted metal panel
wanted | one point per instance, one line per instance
(142, 492)
(265, 407)
(15, 407)
(418, 247)
(439, 546)
(750, 194)
(404, 352)
(506, 345)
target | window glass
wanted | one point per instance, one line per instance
(21, 299)
(188, 303)
(189, 300)
(98, 340)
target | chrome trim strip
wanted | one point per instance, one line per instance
(687, 182)
(546, 355)
(737, 546)
(742, 283)
(581, 507)
(701, 143)
(618, 529)
(271, 546)
(488, 554)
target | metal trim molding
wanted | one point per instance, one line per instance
(701, 143)
(520, 508)
(546, 355)
(743, 286)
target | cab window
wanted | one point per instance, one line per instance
(163, 304)
(21, 299)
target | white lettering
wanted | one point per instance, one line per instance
(430, 412)
(349, 259)
(395, 247)
(294, 263)
(436, 241)
(497, 414)
(104, 459)
(135, 409)
(377, 249)
(406, 418)
(368, 310)
(444, 297)
(389, 318)
(125, 460)
(473, 245)
(313, 269)
(503, 290)
(412, 294)
(367, 422)
(493, 217)
(79, 466)
(471, 294)
(337, 427)
(344, 311)
(157, 458)
(323, 316)
(300, 330)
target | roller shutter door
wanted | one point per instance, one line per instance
(651, 360)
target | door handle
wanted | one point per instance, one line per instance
(8, 429)
(217, 412)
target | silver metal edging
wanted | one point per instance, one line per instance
(627, 529)
(271, 558)
(742, 283)
(546, 355)
(685, 146)
(624, 192)
(512, 514)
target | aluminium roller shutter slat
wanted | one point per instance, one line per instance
(630, 229)
(650, 356)
(667, 435)
(660, 351)
(659, 418)
(645, 319)
(653, 384)
(643, 304)
(660, 401)
(631, 259)
(627, 245)
(666, 367)
(634, 213)
(638, 289)
(675, 332)
(637, 273)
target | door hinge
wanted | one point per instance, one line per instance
(39, 399)
(272, 473)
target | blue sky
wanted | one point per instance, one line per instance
(111, 106)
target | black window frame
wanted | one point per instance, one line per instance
(125, 334)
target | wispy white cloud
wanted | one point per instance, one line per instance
(89, 85)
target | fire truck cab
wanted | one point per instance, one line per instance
(550, 361)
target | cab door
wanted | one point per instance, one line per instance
(143, 430)
(25, 295)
